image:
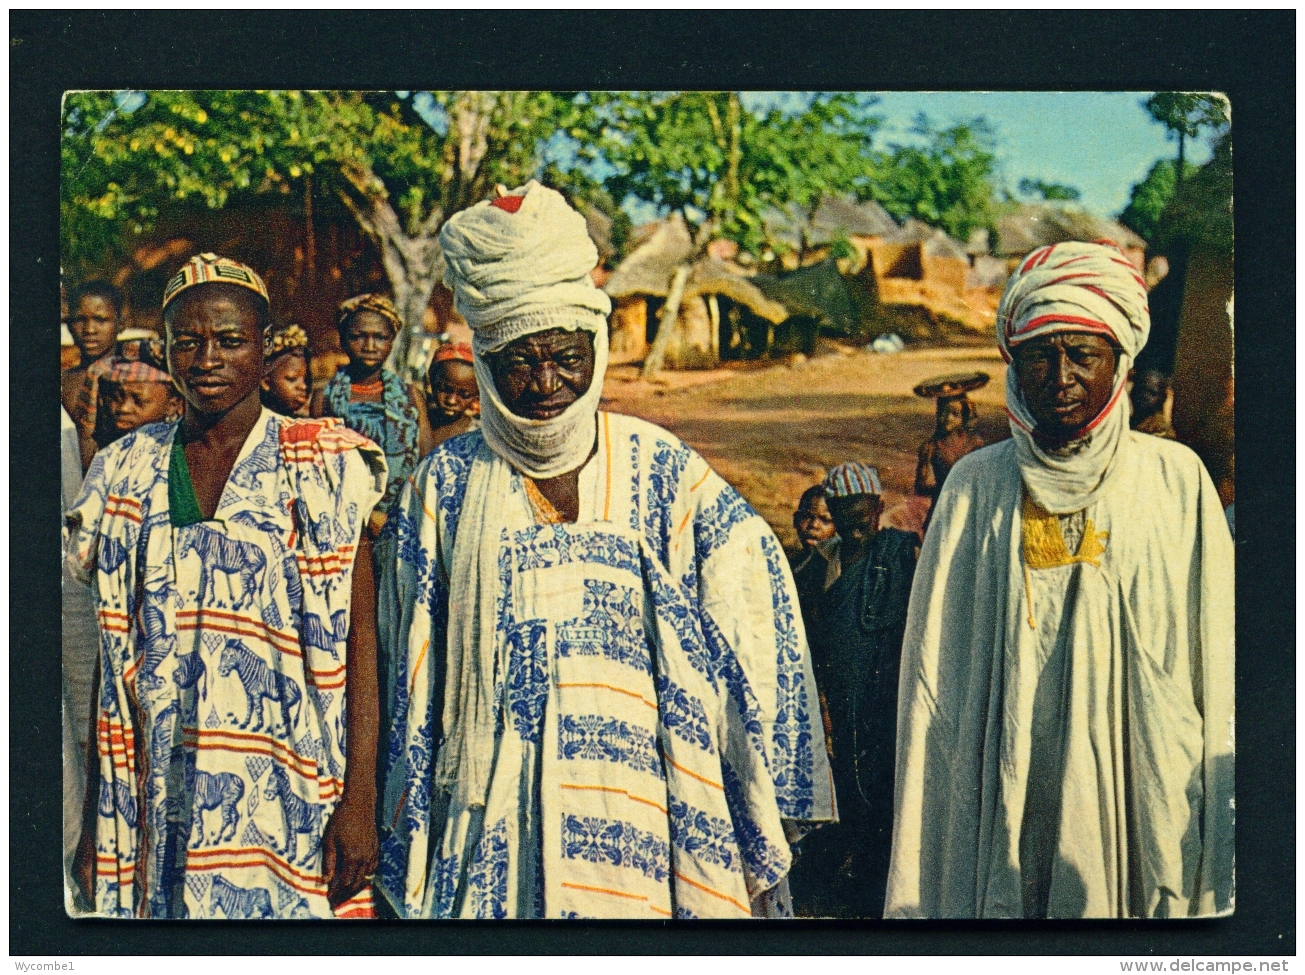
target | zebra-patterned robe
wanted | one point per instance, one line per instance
(658, 723)
(220, 728)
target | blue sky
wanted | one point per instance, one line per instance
(1100, 142)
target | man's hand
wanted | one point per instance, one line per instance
(350, 849)
(83, 870)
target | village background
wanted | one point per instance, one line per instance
(783, 268)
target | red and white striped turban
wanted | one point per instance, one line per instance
(1075, 287)
(1072, 287)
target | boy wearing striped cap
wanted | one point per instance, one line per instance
(856, 644)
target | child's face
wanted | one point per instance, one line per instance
(286, 384)
(813, 522)
(453, 391)
(134, 404)
(856, 517)
(368, 338)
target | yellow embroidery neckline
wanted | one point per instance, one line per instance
(544, 512)
(1044, 545)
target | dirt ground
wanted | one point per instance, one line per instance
(774, 429)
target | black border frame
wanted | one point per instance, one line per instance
(1250, 56)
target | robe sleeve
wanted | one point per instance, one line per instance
(82, 521)
(775, 767)
(939, 614)
(1214, 659)
(413, 610)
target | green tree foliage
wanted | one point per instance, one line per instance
(1050, 192)
(716, 161)
(946, 181)
(401, 165)
(1185, 115)
(1148, 199)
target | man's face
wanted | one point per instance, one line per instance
(856, 517)
(540, 375)
(94, 326)
(1067, 379)
(368, 338)
(133, 404)
(287, 382)
(813, 522)
(454, 392)
(1149, 391)
(215, 347)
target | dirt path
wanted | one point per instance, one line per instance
(774, 431)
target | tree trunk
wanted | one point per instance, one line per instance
(1178, 172)
(670, 313)
(413, 265)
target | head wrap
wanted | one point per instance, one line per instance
(521, 264)
(284, 338)
(851, 478)
(1072, 287)
(453, 352)
(379, 304)
(211, 269)
(138, 357)
(517, 266)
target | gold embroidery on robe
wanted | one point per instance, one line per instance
(1044, 545)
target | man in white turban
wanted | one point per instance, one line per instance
(1065, 713)
(601, 700)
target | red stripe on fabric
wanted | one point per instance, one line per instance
(122, 499)
(1016, 420)
(1102, 415)
(204, 738)
(1088, 323)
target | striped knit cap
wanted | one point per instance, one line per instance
(852, 478)
(211, 269)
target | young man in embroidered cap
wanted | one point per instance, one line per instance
(236, 606)
(602, 701)
(856, 643)
(1065, 737)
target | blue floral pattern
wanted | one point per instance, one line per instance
(684, 714)
(715, 522)
(664, 474)
(487, 879)
(615, 843)
(703, 837)
(764, 862)
(597, 738)
(527, 678)
(610, 625)
(792, 761)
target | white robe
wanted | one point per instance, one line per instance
(1086, 708)
(657, 717)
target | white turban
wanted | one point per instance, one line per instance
(520, 265)
(1072, 287)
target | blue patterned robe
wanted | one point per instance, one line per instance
(223, 655)
(391, 424)
(658, 723)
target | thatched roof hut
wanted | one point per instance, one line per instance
(835, 217)
(1035, 225)
(649, 272)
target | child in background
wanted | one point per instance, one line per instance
(136, 386)
(285, 370)
(371, 399)
(454, 401)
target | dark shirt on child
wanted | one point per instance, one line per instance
(856, 647)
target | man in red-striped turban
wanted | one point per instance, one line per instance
(1065, 716)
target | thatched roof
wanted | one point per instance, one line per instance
(836, 216)
(652, 264)
(936, 242)
(1035, 225)
(817, 291)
